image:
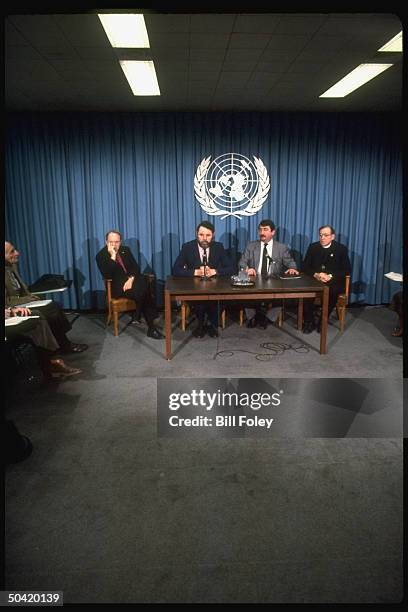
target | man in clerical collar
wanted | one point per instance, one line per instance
(328, 262)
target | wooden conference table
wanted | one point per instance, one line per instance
(220, 289)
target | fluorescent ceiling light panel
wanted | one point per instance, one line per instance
(141, 77)
(395, 44)
(125, 30)
(355, 79)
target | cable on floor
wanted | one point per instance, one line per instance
(275, 348)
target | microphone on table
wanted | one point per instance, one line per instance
(205, 264)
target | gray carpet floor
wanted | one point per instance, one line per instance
(107, 512)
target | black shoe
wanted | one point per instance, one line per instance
(199, 331)
(308, 327)
(212, 331)
(74, 348)
(262, 321)
(155, 333)
(252, 323)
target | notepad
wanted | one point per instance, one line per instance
(36, 304)
(16, 320)
(49, 291)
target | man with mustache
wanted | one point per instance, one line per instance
(265, 257)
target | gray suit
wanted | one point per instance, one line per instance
(281, 258)
(281, 261)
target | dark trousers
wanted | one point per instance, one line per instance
(38, 331)
(211, 310)
(57, 321)
(308, 306)
(261, 308)
(140, 292)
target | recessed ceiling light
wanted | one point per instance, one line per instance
(395, 44)
(141, 77)
(126, 30)
(355, 79)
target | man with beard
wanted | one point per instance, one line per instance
(203, 257)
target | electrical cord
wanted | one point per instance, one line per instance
(276, 348)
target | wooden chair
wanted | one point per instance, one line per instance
(185, 310)
(341, 305)
(280, 318)
(118, 305)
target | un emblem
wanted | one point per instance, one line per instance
(231, 185)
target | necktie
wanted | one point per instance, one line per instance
(264, 268)
(120, 262)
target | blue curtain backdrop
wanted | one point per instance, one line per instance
(71, 177)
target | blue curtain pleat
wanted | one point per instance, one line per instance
(71, 177)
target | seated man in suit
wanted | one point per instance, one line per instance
(17, 294)
(328, 261)
(204, 257)
(265, 257)
(117, 263)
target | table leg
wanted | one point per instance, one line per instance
(167, 323)
(323, 331)
(300, 314)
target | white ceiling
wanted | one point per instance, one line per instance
(204, 62)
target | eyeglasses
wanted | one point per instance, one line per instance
(324, 235)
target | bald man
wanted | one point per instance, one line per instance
(17, 294)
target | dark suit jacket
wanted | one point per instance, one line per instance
(189, 260)
(334, 260)
(111, 269)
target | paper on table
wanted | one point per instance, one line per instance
(36, 304)
(290, 276)
(395, 276)
(17, 320)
